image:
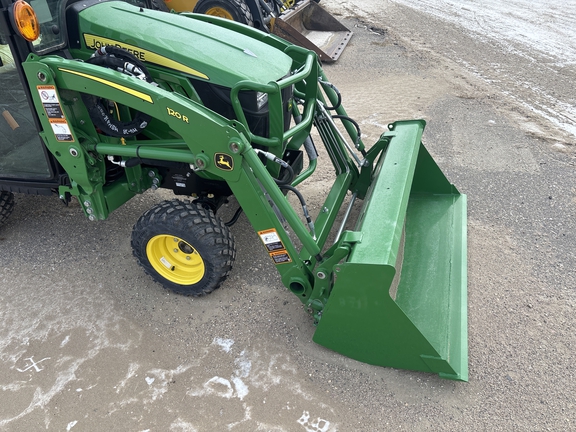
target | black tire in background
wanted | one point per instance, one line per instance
(159, 5)
(235, 10)
(6, 205)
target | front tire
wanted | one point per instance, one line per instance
(184, 247)
(235, 10)
(6, 205)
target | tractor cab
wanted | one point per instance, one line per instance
(25, 163)
(22, 155)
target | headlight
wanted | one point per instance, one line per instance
(261, 100)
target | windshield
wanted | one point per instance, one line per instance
(51, 15)
(52, 32)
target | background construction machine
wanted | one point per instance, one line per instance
(98, 111)
(304, 22)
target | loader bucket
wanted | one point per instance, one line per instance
(310, 26)
(400, 298)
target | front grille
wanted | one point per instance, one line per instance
(217, 99)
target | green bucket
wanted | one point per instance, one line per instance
(400, 298)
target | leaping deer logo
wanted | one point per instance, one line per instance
(224, 161)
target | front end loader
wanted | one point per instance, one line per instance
(101, 111)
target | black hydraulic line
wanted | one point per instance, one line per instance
(121, 60)
(266, 8)
(302, 203)
(282, 163)
(338, 95)
(285, 184)
(234, 218)
(291, 175)
(308, 143)
(357, 126)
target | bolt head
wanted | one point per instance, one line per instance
(234, 147)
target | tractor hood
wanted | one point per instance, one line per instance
(195, 48)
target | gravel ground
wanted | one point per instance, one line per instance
(89, 342)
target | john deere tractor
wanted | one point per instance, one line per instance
(104, 100)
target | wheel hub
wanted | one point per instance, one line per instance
(220, 12)
(175, 259)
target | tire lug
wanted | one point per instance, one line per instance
(175, 250)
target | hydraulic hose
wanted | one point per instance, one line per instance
(122, 61)
(308, 143)
(304, 207)
(358, 132)
(234, 218)
(285, 185)
(280, 162)
(336, 91)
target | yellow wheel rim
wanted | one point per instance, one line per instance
(219, 12)
(175, 259)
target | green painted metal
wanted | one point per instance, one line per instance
(238, 58)
(391, 292)
(399, 299)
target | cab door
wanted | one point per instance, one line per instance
(22, 153)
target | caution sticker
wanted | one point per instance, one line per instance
(275, 247)
(271, 240)
(50, 102)
(54, 112)
(61, 130)
(280, 257)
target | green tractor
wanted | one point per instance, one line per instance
(102, 101)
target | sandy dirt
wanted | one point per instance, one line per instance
(89, 342)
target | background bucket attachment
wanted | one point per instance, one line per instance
(310, 26)
(400, 299)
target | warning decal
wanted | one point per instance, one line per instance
(61, 130)
(50, 102)
(275, 247)
(281, 257)
(271, 240)
(54, 112)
